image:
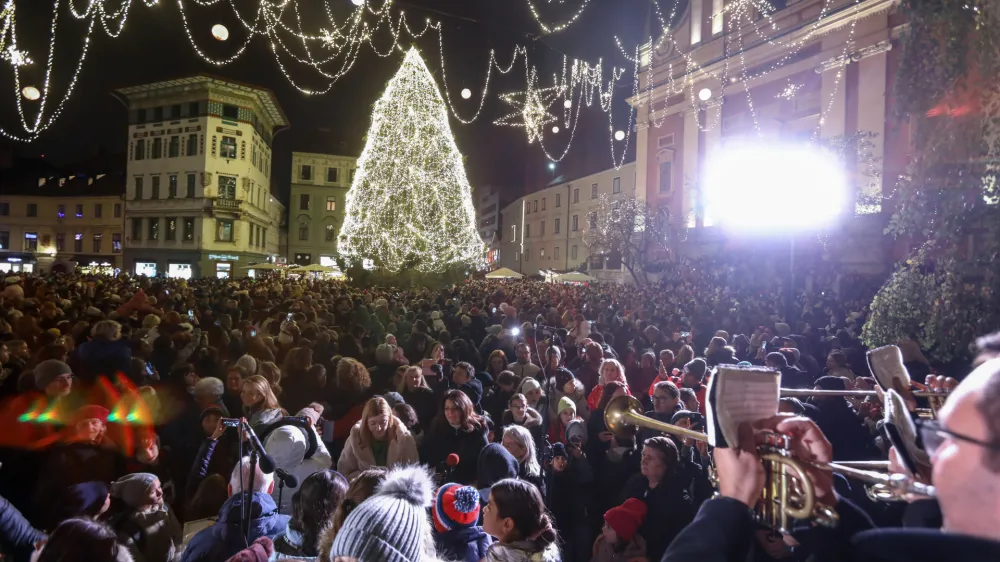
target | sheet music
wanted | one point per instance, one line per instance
(741, 394)
(886, 364)
(897, 414)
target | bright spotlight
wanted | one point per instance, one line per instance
(466, 93)
(552, 165)
(555, 128)
(358, 2)
(705, 94)
(568, 104)
(774, 187)
(31, 93)
(220, 32)
(619, 135)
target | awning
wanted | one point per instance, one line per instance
(504, 273)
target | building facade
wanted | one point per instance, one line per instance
(316, 209)
(487, 201)
(811, 69)
(198, 199)
(544, 231)
(56, 224)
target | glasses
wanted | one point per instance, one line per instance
(932, 435)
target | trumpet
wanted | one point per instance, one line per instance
(788, 491)
(935, 398)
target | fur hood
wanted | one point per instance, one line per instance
(579, 392)
(532, 418)
(523, 551)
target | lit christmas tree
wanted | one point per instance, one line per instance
(411, 204)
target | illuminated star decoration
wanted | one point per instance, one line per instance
(789, 91)
(16, 57)
(533, 108)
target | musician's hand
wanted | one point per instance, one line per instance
(605, 436)
(220, 428)
(905, 393)
(741, 474)
(808, 444)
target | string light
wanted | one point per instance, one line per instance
(466, 93)
(561, 26)
(31, 93)
(532, 107)
(619, 135)
(220, 32)
(705, 94)
(411, 204)
(555, 129)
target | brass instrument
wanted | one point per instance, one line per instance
(788, 491)
(935, 398)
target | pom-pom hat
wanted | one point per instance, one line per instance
(626, 518)
(455, 506)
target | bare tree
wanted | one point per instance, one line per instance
(627, 227)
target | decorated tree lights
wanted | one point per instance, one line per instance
(410, 206)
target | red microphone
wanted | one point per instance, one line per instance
(452, 460)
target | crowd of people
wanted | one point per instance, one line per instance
(261, 419)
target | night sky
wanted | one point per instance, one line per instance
(155, 47)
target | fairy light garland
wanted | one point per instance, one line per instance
(559, 27)
(411, 199)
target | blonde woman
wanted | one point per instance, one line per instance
(611, 370)
(379, 439)
(260, 405)
(521, 445)
(417, 393)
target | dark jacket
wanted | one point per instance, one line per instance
(441, 441)
(668, 510)
(17, 536)
(570, 501)
(224, 539)
(103, 358)
(424, 403)
(466, 544)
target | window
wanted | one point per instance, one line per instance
(158, 114)
(558, 199)
(572, 253)
(98, 210)
(60, 241)
(666, 170)
(116, 242)
(193, 109)
(97, 243)
(576, 195)
(717, 21)
(175, 111)
(30, 241)
(576, 223)
(696, 16)
(174, 147)
(61, 211)
(527, 231)
(171, 229)
(304, 202)
(303, 232)
(541, 254)
(329, 233)
(527, 254)
(331, 203)
(4, 209)
(172, 186)
(543, 203)
(140, 149)
(79, 211)
(4, 239)
(263, 241)
(527, 208)
(331, 175)
(136, 229)
(190, 185)
(230, 112)
(593, 191)
(227, 187)
(78, 242)
(224, 230)
(154, 229)
(188, 229)
(535, 210)
(305, 172)
(541, 229)
(117, 210)
(616, 185)
(227, 148)
(592, 219)
(156, 187)
(350, 175)
(192, 147)
(138, 188)
(555, 253)
(513, 233)
(32, 209)
(555, 229)
(157, 148)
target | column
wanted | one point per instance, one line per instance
(871, 117)
(641, 154)
(689, 167)
(833, 96)
(712, 143)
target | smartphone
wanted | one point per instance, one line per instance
(288, 318)
(190, 313)
(149, 368)
(253, 333)
(231, 422)
(685, 335)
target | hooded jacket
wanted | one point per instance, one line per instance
(288, 445)
(578, 396)
(464, 544)
(224, 539)
(493, 465)
(103, 358)
(522, 551)
(356, 457)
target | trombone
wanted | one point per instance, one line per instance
(788, 491)
(935, 398)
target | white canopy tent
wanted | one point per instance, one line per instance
(574, 277)
(504, 273)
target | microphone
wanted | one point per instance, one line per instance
(289, 479)
(452, 460)
(266, 461)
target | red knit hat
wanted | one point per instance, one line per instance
(626, 518)
(92, 411)
(455, 506)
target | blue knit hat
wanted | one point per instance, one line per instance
(455, 507)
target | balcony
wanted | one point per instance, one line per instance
(227, 207)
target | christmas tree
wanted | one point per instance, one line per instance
(410, 205)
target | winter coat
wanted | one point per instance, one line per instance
(151, 536)
(288, 545)
(423, 402)
(578, 396)
(605, 551)
(569, 501)
(668, 510)
(17, 535)
(442, 440)
(522, 551)
(532, 422)
(356, 457)
(225, 538)
(103, 358)
(595, 395)
(288, 445)
(464, 544)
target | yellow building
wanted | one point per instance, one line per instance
(316, 208)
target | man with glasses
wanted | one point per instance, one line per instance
(964, 448)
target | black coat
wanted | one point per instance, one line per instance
(443, 440)
(424, 403)
(668, 510)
